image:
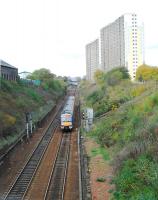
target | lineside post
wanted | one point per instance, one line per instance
(27, 124)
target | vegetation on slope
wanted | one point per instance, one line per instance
(130, 132)
(112, 89)
(17, 98)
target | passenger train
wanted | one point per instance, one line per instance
(67, 115)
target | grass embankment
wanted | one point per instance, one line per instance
(18, 98)
(130, 133)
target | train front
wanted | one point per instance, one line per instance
(66, 122)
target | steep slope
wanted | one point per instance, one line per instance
(18, 98)
(128, 130)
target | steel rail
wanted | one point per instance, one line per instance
(51, 174)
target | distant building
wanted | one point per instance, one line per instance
(92, 59)
(24, 74)
(122, 44)
(8, 72)
(24, 78)
(73, 81)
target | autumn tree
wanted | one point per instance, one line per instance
(99, 78)
(146, 72)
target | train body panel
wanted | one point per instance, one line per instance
(67, 115)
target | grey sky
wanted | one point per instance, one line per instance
(53, 33)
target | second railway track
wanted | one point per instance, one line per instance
(55, 190)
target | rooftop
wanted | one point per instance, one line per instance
(5, 64)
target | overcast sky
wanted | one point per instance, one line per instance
(53, 33)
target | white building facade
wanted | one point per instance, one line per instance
(92, 59)
(122, 44)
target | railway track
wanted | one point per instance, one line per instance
(72, 187)
(57, 176)
(56, 185)
(22, 182)
(47, 174)
(40, 181)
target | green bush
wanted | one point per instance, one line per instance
(33, 94)
(138, 179)
(101, 179)
(95, 96)
(8, 140)
(6, 85)
(116, 75)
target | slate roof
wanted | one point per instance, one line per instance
(5, 64)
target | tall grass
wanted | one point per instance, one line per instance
(100, 151)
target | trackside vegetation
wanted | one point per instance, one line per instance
(17, 98)
(128, 131)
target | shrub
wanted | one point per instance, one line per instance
(137, 179)
(95, 96)
(9, 120)
(6, 85)
(116, 75)
(33, 94)
(101, 179)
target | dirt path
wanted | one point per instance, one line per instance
(99, 168)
